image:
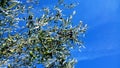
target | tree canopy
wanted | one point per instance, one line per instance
(46, 39)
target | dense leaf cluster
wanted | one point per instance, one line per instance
(46, 40)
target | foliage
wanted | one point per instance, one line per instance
(46, 40)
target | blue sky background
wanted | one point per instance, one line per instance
(102, 40)
(102, 37)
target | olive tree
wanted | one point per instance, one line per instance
(46, 39)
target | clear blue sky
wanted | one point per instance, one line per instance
(102, 39)
(103, 35)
